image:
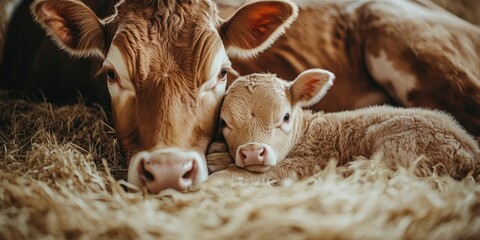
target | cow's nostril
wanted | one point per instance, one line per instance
(262, 152)
(243, 155)
(190, 172)
(148, 176)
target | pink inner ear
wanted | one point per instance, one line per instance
(261, 26)
(46, 9)
(266, 20)
(57, 24)
(311, 88)
(63, 32)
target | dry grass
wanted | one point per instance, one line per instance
(61, 177)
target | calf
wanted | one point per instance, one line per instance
(263, 123)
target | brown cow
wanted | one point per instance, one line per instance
(166, 67)
(158, 104)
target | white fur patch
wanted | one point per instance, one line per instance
(212, 85)
(119, 92)
(384, 71)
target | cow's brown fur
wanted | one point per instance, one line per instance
(165, 68)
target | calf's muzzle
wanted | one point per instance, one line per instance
(255, 157)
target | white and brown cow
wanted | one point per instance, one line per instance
(166, 61)
(166, 67)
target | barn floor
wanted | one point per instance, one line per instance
(61, 177)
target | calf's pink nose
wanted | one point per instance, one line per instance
(252, 154)
(159, 173)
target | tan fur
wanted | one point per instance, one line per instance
(432, 140)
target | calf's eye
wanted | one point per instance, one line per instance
(286, 118)
(222, 123)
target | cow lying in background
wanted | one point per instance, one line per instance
(403, 53)
(263, 123)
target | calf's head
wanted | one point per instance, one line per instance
(166, 64)
(261, 115)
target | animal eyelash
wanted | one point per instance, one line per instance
(100, 72)
(233, 72)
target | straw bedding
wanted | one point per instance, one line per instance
(61, 176)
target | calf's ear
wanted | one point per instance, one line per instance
(255, 26)
(310, 86)
(72, 25)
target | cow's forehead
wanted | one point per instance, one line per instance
(168, 14)
(263, 96)
(192, 56)
(259, 83)
(167, 37)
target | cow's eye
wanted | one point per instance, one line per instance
(286, 118)
(223, 73)
(111, 75)
(222, 123)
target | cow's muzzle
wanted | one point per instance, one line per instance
(167, 168)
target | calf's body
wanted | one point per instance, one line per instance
(263, 113)
(401, 136)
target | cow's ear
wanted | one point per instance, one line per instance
(310, 86)
(72, 25)
(255, 26)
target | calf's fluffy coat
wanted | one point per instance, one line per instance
(264, 123)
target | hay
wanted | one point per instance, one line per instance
(61, 177)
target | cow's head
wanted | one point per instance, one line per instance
(166, 64)
(262, 115)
